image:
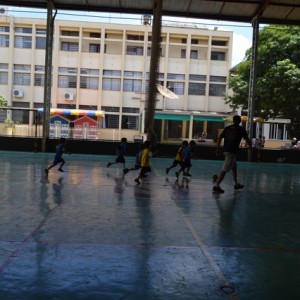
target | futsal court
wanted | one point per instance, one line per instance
(89, 233)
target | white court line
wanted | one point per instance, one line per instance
(208, 256)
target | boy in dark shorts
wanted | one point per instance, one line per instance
(188, 153)
(121, 151)
(60, 149)
(137, 165)
(179, 156)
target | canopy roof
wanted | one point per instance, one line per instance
(269, 11)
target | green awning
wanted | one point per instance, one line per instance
(208, 118)
(178, 117)
(172, 117)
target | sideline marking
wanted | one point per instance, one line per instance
(224, 282)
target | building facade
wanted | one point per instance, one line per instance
(105, 67)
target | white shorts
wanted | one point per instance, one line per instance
(230, 161)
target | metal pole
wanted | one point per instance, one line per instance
(252, 81)
(48, 73)
(154, 66)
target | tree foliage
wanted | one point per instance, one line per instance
(277, 76)
(3, 102)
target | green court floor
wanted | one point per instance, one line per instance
(89, 233)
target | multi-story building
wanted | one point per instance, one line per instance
(105, 67)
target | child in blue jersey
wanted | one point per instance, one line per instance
(60, 149)
(188, 153)
(121, 151)
(137, 165)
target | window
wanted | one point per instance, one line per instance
(4, 28)
(132, 85)
(217, 89)
(130, 122)
(23, 42)
(40, 42)
(4, 40)
(39, 68)
(67, 70)
(194, 77)
(111, 73)
(217, 78)
(3, 77)
(194, 54)
(133, 74)
(132, 110)
(219, 43)
(89, 71)
(111, 121)
(89, 82)
(96, 35)
(41, 31)
(176, 87)
(194, 42)
(110, 108)
(22, 78)
(18, 67)
(215, 55)
(94, 48)
(135, 50)
(135, 37)
(69, 46)
(65, 81)
(183, 53)
(23, 30)
(39, 79)
(196, 88)
(175, 76)
(111, 84)
(69, 33)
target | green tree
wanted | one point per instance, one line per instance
(3, 102)
(277, 78)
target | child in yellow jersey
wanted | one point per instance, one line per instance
(179, 157)
(145, 162)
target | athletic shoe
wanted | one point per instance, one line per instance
(238, 186)
(137, 181)
(187, 174)
(177, 174)
(108, 164)
(217, 189)
(125, 171)
(167, 171)
(60, 170)
(46, 171)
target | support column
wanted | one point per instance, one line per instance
(252, 81)
(191, 127)
(154, 66)
(48, 73)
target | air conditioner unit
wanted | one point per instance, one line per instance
(69, 96)
(18, 93)
(3, 11)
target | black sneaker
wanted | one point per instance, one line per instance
(177, 174)
(137, 181)
(108, 164)
(125, 171)
(217, 189)
(238, 186)
(60, 170)
(167, 171)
